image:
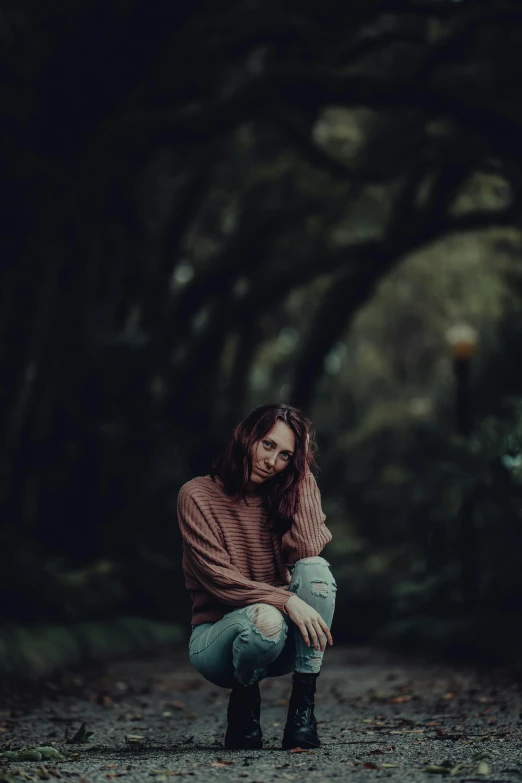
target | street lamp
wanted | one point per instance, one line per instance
(462, 339)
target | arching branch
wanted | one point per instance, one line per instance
(310, 88)
(410, 228)
(348, 290)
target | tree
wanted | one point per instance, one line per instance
(146, 140)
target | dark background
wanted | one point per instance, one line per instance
(209, 206)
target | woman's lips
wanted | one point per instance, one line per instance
(264, 472)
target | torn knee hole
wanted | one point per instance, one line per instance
(316, 661)
(268, 621)
(319, 588)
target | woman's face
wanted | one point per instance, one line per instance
(272, 454)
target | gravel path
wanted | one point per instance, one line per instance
(380, 716)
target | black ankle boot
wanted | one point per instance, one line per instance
(301, 725)
(244, 708)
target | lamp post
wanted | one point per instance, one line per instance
(462, 339)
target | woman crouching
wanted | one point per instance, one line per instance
(262, 598)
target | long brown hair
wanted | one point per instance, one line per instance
(234, 465)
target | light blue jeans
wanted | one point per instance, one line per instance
(258, 641)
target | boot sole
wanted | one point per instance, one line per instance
(307, 744)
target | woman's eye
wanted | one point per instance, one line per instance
(267, 444)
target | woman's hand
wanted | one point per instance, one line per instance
(312, 626)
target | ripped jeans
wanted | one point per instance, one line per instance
(258, 641)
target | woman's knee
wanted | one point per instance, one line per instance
(267, 621)
(315, 571)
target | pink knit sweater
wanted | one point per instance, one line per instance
(230, 557)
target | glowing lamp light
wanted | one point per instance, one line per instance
(462, 339)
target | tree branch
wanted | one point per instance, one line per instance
(468, 23)
(258, 232)
(311, 88)
(357, 50)
(348, 291)
(355, 285)
(233, 33)
(268, 287)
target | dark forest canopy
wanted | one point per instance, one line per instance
(172, 174)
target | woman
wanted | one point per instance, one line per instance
(262, 598)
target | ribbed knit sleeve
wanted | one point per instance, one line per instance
(209, 563)
(308, 534)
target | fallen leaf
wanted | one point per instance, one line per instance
(459, 768)
(483, 768)
(134, 739)
(370, 765)
(221, 763)
(176, 705)
(408, 731)
(299, 750)
(7, 744)
(82, 735)
(28, 754)
(49, 752)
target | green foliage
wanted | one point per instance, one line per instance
(33, 753)
(33, 651)
(480, 477)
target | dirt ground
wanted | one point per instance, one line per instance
(380, 716)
